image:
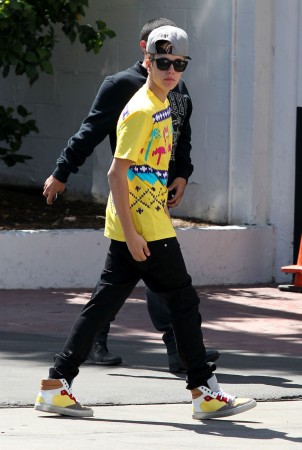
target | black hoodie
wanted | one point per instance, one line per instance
(114, 93)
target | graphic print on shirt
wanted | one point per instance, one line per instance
(146, 173)
(144, 137)
(151, 197)
(154, 135)
(140, 199)
(158, 117)
(162, 150)
(179, 108)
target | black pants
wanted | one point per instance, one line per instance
(160, 316)
(164, 272)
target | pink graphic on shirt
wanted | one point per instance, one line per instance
(159, 151)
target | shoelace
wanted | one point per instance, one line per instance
(221, 395)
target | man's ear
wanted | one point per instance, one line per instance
(142, 45)
(147, 63)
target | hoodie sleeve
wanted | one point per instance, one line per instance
(100, 121)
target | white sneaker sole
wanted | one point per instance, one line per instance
(225, 413)
(63, 411)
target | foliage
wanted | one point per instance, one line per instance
(12, 131)
(27, 39)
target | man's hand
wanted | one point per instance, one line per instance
(178, 186)
(52, 187)
(138, 247)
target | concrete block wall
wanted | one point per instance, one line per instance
(75, 258)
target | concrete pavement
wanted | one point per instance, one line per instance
(257, 329)
(163, 427)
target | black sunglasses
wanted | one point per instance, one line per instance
(164, 64)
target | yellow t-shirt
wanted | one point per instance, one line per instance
(144, 136)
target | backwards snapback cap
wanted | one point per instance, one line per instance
(177, 37)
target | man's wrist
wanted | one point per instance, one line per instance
(185, 178)
(60, 175)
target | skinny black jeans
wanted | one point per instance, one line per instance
(164, 272)
(160, 316)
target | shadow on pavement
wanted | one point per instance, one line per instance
(216, 428)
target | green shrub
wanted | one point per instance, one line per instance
(27, 40)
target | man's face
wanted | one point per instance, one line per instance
(163, 73)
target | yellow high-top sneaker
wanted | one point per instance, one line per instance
(55, 396)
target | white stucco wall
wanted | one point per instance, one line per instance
(299, 57)
(284, 105)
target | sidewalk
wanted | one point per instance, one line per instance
(257, 329)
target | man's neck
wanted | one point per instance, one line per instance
(159, 93)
